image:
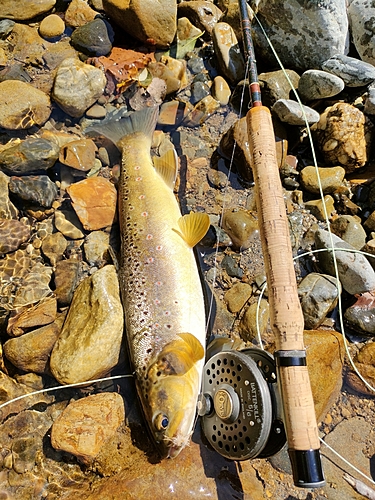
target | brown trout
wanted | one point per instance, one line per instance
(159, 281)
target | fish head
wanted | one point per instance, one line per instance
(173, 386)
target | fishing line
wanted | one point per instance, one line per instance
(67, 386)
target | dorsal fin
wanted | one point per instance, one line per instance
(193, 227)
(167, 167)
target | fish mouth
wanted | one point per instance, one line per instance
(173, 451)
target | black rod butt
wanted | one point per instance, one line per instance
(307, 468)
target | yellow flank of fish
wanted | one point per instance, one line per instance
(160, 285)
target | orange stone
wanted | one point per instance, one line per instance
(79, 155)
(94, 201)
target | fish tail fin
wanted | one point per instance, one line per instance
(120, 123)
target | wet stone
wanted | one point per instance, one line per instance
(354, 72)
(331, 179)
(77, 86)
(94, 201)
(93, 38)
(274, 85)
(198, 91)
(196, 65)
(172, 113)
(290, 112)
(221, 90)
(349, 229)
(7, 209)
(242, 228)
(217, 178)
(203, 15)
(84, 438)
(93, 327)
(34, 189)
(67, 222)
(26, 318)
(201, 112)
(231, 266)
(316, 84)
(248, 323)
(237, 296)
(355, 272)
(162, 71)
(242, 157)
(30, 352)
(228, 52)
(22, 105)
(28, 156)
(66, 276)
(12, 234)
(96, 248)
(79, 155)
(318, 294)
(360, 317)
(54, 246)
(22, 10)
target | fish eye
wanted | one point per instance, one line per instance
(161, 422)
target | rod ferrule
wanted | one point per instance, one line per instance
(307, 468)
(290, 358)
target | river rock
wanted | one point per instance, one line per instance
(22, 10)
(201, 112)
(316, 84)
(274, 85)
(331, 179)
(361, 17)
(325, 360)
(22, 105)
(67, 222)
(34, 189)
(203, 15)
(7, 209)
(12, 234)
(93, 38)
(30, 352)
(242, 158)
(66, 276)
(319, 207)
(349, 229)
(290, 112)
(30, 155)
(228, 52)
(85, 425)
(32, 316)
(355, 272)
(318, 294)
(297, 28)
(354, 72)
(241, 226)
(237, 296)
(77, 86)
(54, 246)
(51, 26)
(248, 323)
(94, 201)
(344, 136)
(79, 155)
(152, 21)
(360, 317)
(96, 248)
(79, 13)
(90, 341)
(221, 90)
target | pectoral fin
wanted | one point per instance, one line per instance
(193, 227)
(167, 167)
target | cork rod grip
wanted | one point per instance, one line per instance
(285, 311)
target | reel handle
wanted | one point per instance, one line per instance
(285, 311)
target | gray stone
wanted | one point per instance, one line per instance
(228, 52)
(361, 16)
(12, 234)
(290, 112)
(77, 86)
(275, 85)
(34, 189)
(93, 38)
(360, 317)
(369, 108)
(29, 155)
(349, 228)
(318, 294)
(90, 341)
(355, 272)
(316, 84)
(304, 34)
(354, 72)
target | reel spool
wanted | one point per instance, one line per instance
(240, 405)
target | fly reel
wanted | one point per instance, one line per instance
(240, 405)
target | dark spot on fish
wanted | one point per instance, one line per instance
(169, 326)
(158, 374)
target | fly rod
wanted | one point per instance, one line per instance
(285, 310)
